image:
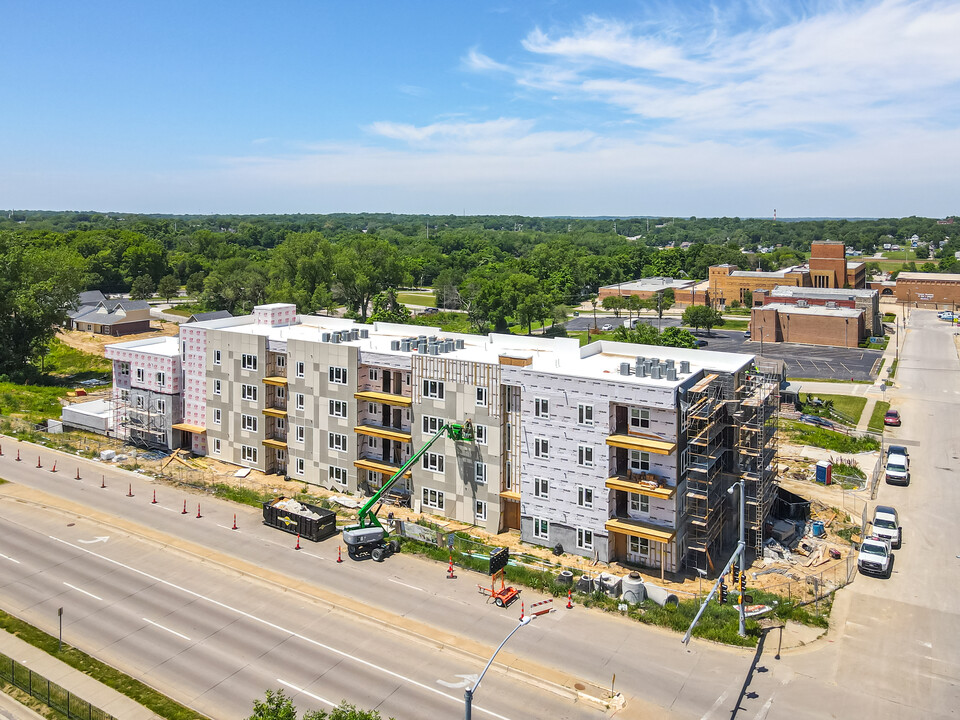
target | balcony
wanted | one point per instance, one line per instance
(387, 433)
(637, 528)
(276, 443)
(385, 398)
(378, 466)
(276, 380)
(641, 484)
(643, 443)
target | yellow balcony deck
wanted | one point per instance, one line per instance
(275, 380)
(382, 432)
(378, 466)
(274, 412)
(187, 427)
(510, 495)
(642, 443)
(635, 528)
(276, 444)
(385, 398)
(621, 482)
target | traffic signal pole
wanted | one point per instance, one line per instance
(709, 597)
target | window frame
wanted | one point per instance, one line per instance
(217, 357)
(248, 453)
(249, 362)
(300, 369)
(480, 436)
(300, 433)
(300, 402)
(431, 424)
(480, 510)
(541, 408)
(642, 458)
(337, 375)
(438, 464)
(433, 498)
(541, 488)
(215, 446)
(333, 471)
(248, 392)
(433, 389)
(541, 448)
(584, 539)
(300, 466)
(585, 496)
(541, 528)
(334, 405)
(248, 423)
(482, 398)
(333, 439)
(480, 472)
(217, 416)
(217, 387)
(583, 411)
(642, 417)
(582, 452)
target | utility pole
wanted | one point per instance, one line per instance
(741, 548)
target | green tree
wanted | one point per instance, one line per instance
(343, 711)
(678, 337)
(614, 303)
(364, 266)
(701, 316)
(274, 706)
(642, 334)
(386, 308)
(195, 284)
(168, 287)
(748, 298)
(142, 288)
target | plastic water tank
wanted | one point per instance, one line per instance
(633, 589)
(610, 584)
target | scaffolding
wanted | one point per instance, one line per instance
(756, 421)
(137, 420)
(706, 421)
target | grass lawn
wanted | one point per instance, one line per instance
(893, 368)
(65, 362)
(33, 403)
(876, 419)
(850, 406)
(831, 380)
(801, 434)
(427, 299)
(734, 325)
(178, 310)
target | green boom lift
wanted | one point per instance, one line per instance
(368, 536)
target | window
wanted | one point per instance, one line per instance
(338, 408)
(639, 418)
(541, 487)
(125, 395)
(299, 401)
(541, 528)
(140, 375)
(433, 389)
(216, 357)
(480, 510)
(374, 374)
(639, 461)
(585, 414)
(281, 393)
(300, 369)
(216, 387)
(541, 408)
(161, 406)
(216, 416)
(639, 503)
(684, 460)
(431, 424)
(482, 396)
(480, 473)
(248, 422)
(584, 496)
(338, 474)
(281, 424)
(480, 434)
(300, 433)
(433, 498)
(338, 375)
(585, 456)
(300, 466)
(281, 361)
(248, 392)
(248, 362)
(216, 446)
(433, 462)
(248, 454)
(337, 441)
(161, 378)
(584, 539)
(373, 443)
(541, 448)
(125, 369)
(140, 402)
(639, 546)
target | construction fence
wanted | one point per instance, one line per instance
(47, 692)
(812, 589)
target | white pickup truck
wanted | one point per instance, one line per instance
(875, 557)
(898, 470)
(886, 524)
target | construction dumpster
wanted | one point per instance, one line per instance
(310, 522)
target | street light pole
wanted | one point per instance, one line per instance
(468, 693)
(741, 548)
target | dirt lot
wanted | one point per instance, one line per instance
(88, 342)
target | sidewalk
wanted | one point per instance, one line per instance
(94, 692)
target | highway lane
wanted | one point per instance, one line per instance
(215, 639)
(651, 666)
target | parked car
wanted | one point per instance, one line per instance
(886, 524)
(945, 315)
(430, 311)
(875, 557)
(746, 334)
(606, 327)
(701, 343)
(892, 418)
(898, 470)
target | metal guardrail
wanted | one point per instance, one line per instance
(49, 693)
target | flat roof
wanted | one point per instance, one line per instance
(768, 274)
(939, 277)
(652, 284)
(169, 346)
(788, 309)
(563, 356)
(794, 291)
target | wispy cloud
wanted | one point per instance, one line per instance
(412, 90)
(503, 135)
(478, 62)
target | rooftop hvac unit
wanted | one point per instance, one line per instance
(640, 358)
(364, 333)
(394, 344)
(405, 345)
(670, 363)
(831, 304)
(422, 346)
(432, 338)
(641, 371)
(434, 349)
(653, 361)
(685, 366)
(449, 346)
(336, 338)
(325, 337)
(421, 338)
(459, 344)
(671, 373)
(355, 334)
(801, 303)
(624, 368)
(655, 372)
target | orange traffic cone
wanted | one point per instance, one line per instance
(522, 612)
(450, 575)
(184, 508)
(78, 474)
(198, 511)
(298, 542)
(234, 522)
(569, 599)
(154, 501)
(54, 468)
(339, 556)
(38, 462)
(130, 490)
(103, 481)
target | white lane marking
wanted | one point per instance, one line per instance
(926, 644)
(99, 538)
(156, 624)
(309, 694)
(164, 507)
(304, 552)
(7, 557)
(465, 682)
(720, 700)
(227, 527)
(74, 587)
(762, 713)
(274, 626)
(412, 587)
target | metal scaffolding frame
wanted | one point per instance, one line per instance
(140, 426)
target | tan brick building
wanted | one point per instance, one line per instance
(782, 322)
(940, 290)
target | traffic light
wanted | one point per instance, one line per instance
(743, 582)
(722, 595)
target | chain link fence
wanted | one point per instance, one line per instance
(47, 692)
(813, 589)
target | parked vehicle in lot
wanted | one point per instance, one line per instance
(875, 557)
(701, 343)
(945, 315)
(606, 326)
(746, 334)
(886, 524)
(892, 418)
(898, 470)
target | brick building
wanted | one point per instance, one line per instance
(866, 300)
(795, 323)
(939, 290)
(646, 288)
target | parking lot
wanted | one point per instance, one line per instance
(802, 361)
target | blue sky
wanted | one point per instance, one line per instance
(832, 108)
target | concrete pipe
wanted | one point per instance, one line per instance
(661, 596)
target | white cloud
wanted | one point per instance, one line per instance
(478, 62)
